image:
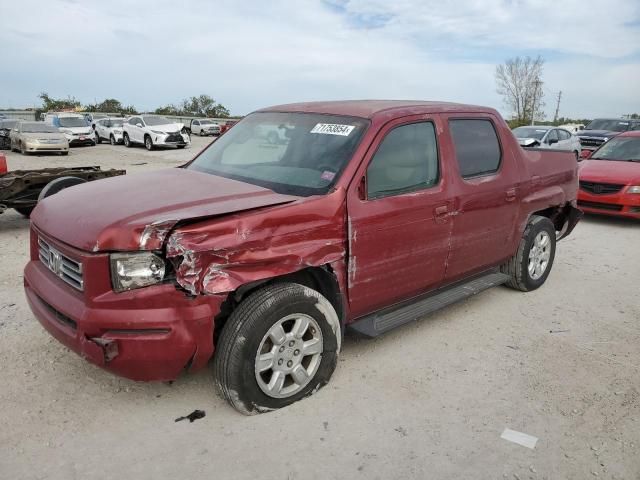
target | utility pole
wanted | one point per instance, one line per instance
(536, 84)
(555, 117)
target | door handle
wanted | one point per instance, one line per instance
(441, 211)
(511, 194)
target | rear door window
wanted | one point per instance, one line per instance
(476, 145)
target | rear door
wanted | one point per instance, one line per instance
(398, 223)
(486, 202)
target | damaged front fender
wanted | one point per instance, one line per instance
(220, 255)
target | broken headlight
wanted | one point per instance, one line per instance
(136, 270)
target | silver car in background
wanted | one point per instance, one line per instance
(544, 136)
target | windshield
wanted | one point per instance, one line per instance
(530, 132)
(619, 148)
(37, 127)
(205, 122)
(68, 122)
(611, 125)
(294, 153)
(151, 121)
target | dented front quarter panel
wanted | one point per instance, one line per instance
(219, 255)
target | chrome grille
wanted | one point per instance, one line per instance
(591, 142)
(69, 270)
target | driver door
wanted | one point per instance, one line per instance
(398, 224)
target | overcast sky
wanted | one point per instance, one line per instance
(248, 54)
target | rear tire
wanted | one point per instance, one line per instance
(531, 265)
(280, 345)
(64, 154)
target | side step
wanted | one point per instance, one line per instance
(389, 318)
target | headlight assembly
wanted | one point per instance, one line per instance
(158, 133)
(136, 270)
(634, 189)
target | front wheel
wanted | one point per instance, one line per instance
(280, 345)
(126, 141)
(97, 140)
(148, 143)
(531, 265)
(112, 140)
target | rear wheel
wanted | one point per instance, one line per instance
(531, 265)
(280, 345)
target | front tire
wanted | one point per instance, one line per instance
(97, 140)
(126, 141)
(148, 143)
(531, 265)
(280, 345)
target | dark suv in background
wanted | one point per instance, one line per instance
(602, 129)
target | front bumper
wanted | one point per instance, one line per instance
(619, 204)
(46, 147)
(171, 140)
(149, 334)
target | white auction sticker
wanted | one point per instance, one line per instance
(332, 129)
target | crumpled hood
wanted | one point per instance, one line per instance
(136, 212)
(608, 171)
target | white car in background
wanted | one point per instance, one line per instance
(154, 131)
(204, 127)
(544, 136)
(573, 127)
(73, 126)
(109, 129)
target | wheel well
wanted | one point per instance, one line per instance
(558, 215)
(321, 279)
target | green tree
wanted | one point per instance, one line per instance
(57, 104)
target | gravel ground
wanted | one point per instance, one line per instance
(429, 400)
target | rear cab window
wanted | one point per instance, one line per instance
(476, 146)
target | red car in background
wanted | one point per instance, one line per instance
(227, 126)
(610, 178)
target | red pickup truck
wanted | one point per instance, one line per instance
(363, 215)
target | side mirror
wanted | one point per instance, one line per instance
(552, 141)
(139, 125)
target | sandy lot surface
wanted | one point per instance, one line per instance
(429, 400)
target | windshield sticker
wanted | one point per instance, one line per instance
(332, 129)
(327, 175)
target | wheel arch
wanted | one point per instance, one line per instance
(564, 217)
(322, 279)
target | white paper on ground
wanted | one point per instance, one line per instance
(520, 438)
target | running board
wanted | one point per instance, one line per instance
(389, 318)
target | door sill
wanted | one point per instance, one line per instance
(392, 317)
